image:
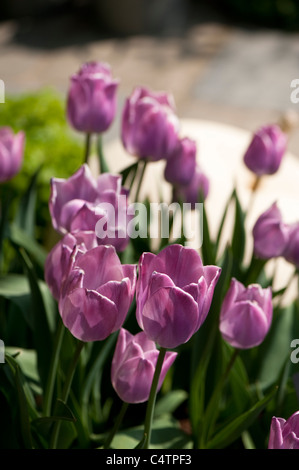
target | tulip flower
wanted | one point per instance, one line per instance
(80, 202)
(180, 166)
(11, 153)
(265, 152)
(284, 434)
(91, 101)
(58, 259)
(192, 191)
(96, 294)
(246, 315)
(150, 126)
(134, 364)
(291, 252)
(173, 294)
(270, 234)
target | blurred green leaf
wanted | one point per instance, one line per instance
(235, 428)
(170, 402)
(166, 434)
(22, 402)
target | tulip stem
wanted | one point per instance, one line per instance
(87, 147)
(144, 165)
(152, 400)
(66, 391)
(53, 369)
(116, 425)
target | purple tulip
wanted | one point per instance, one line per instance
(173, 294)
(149, 125)
(246, 315)
(133, 366)
(266, 150)
(80, 202)
(91, 101)
(58, 259)
(291, 252)
(11, 153)
(191, 192)
(284, 434)
(96, 294)
(270, 234)
(180, 166)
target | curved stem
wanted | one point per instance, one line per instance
(152, 400)
(116, 425)
(87, 147)
(66, 391)
(144, 165)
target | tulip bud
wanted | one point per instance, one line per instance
(266, 150)
(270, 234)
(133, 366)
(284, 434)
(291, 252)
(191, 192)
(246, 315)
(91, 101)
(149, 125)
(180, 166)
(173, 294)
(11, 153)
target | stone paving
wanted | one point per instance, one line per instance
(215, 71)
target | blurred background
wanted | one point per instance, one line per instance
(227, 61)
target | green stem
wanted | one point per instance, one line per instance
(144, 165)
(53, 369)
(66, 391)
(87, 147)
(116, 425)
(152, 400)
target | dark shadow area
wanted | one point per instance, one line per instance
(54, 24)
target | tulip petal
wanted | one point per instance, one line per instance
(88, 315)
(170, 317)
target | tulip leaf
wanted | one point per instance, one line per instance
(40, 318)
(25, 216)
(166, 434)
(22, 401)
(275, 349)
(208, 247)
(233, 430)
(238, 237)
(129, 173)
(20, 238)
(170, 402)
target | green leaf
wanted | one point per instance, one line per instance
(21, 239)
(25, 216)
(129, 173)
(27, 360)
(238, 237)
(41, 327)
(275, 349)
(22, 402)
(170, 402)
(208, 247)
(166, 434)
(235, 428)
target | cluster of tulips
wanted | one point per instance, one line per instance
(170, 291)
